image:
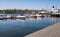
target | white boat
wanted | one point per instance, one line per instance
(20, 16)
(39, 15)
(8, 16)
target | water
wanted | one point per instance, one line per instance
(14, 28)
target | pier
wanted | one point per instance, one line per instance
(51, 31)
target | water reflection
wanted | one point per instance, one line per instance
(16, 28)
(55, 20)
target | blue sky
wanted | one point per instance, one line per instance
(29, 4)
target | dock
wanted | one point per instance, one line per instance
(51, 31)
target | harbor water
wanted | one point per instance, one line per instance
(15, 28)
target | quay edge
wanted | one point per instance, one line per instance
(51, 31)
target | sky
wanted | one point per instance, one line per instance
(29, 4)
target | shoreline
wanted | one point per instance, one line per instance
(50, 31)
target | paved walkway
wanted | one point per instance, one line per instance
(51, 31)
